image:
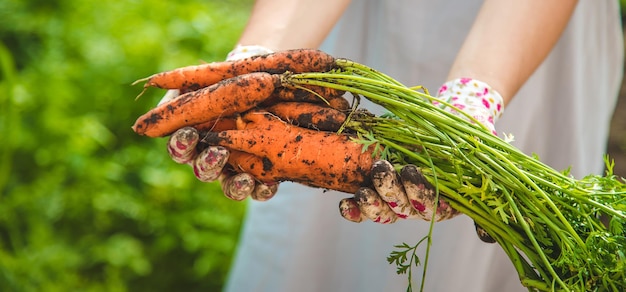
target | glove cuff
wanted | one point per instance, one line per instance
(241, 52)
(473, 97)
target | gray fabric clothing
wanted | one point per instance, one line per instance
(298, 241)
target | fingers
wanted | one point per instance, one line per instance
(237, 187)
(407, 195)
(373, 206)
(242, 185)
(264, 192)
(386, 182)
(483, 235)
(422, 196)
(209, 164)
(181, 145)
(349, 210)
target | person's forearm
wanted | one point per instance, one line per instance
(509, 40)
(291, 24)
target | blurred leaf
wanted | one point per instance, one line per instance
(85, 203)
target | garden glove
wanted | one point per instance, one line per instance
(473, 97)
(393, 196)
(409, 195)
(209, 163)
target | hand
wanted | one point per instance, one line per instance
(409, 195)
(405, 196)
(210, 162)
(473, 97)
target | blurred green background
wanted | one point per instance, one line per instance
(85, 204)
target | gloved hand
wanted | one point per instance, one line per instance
(409, 195)
(209, 163)
(473, 97)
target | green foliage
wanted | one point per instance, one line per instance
(405, 257)
(559, 232)
(86, 204)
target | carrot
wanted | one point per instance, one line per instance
(277, 151)
(309, 115)
(314, 94)
(244, 162)
(221, 124)
(223, 99)
(339, 103)
(303, 114)
(310, 94)
(336, 102)
(196, 77)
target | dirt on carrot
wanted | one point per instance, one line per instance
(221, 124)
(314, 94)
(278, 151)
(200, 76)
(223, 99)
(309, 115)
(339, 103)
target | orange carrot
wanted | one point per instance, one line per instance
(339, 103)
(309, 115)
(314, 94)
(223, 99)
(196, 77)
(278, 152)
(221, 124)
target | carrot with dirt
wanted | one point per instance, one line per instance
(303, 114)
(314, 94)
(199, 76)
(309, 115)
(223, 99)
(221, 124)
(339, 103)
(282, 94)
(279, 151)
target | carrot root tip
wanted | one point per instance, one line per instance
(141, 93)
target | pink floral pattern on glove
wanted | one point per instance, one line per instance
(473, 97)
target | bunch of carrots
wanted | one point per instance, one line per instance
(284, 118)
